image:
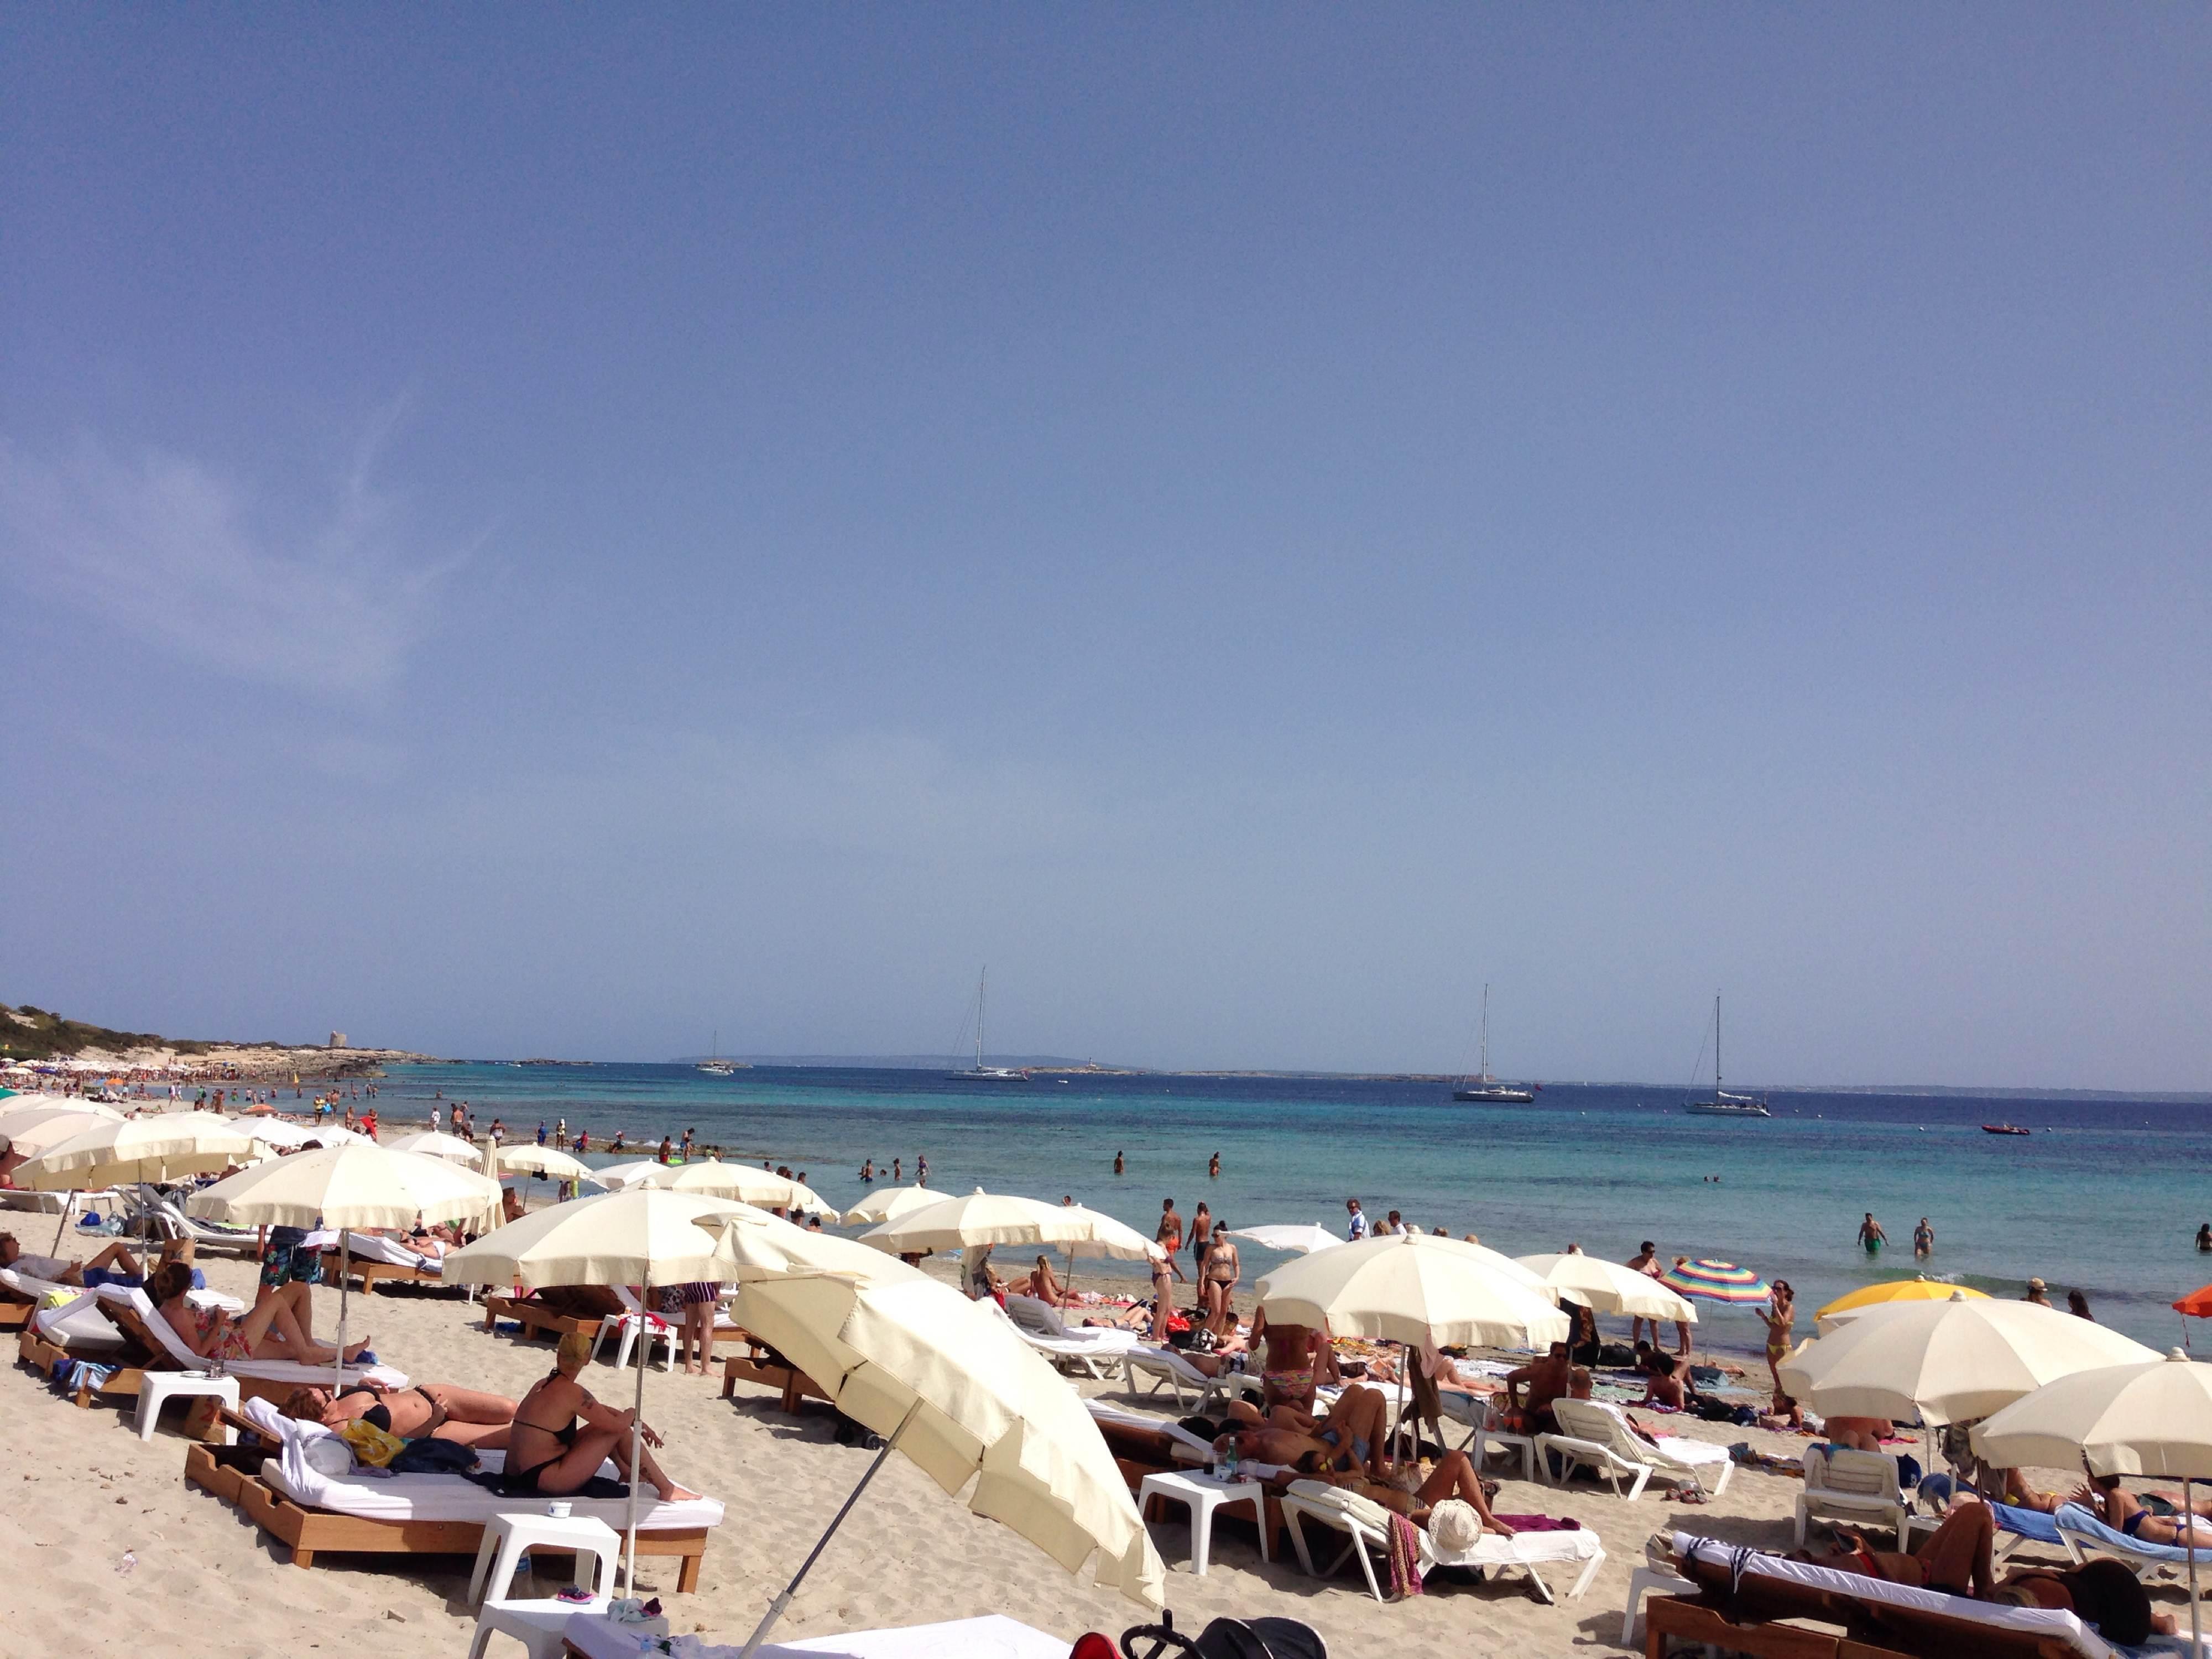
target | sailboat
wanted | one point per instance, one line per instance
(1723, 1104)
(980, 1073)
(1483, 1087)
(716, 1065)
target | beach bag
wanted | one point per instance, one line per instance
(371, 1446)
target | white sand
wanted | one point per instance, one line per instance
(81, 1491)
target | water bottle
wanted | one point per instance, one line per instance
(130, 1560)
(1229, 1461)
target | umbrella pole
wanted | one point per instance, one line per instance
(2195, 1633)
(783, 1599)
(68, 1204)
(344, 1258)
(644, 1350)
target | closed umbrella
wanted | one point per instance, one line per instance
(358, 1184)
(890, 1203)
(955, 1389)
(1708, 1280)
(2154, 1419)
(643, 1237)
(1609, 1287)
(764, 1188)
(1948, 1362)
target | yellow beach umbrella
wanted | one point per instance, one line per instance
(1899, 1290)
(951, 1386)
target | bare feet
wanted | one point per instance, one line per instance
(672, 1493)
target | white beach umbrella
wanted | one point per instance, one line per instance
(29, 1106)
(979, 1219)
(890, 1203)
(139, 1149)
(1948, 1362)
(1110, 1237)
(763, 1187)
(953, 1388)
(2151, 1418)
(643, 1237)
(45, 1127)
(1411, 1288)
(1609, 1287)
(527, 1158)
(1298, 1239)
(451, 1148)
(357, 1185)
(639, 1172)
(285, 1135)
(754, 1244)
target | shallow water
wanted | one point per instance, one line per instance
(2105, 1195)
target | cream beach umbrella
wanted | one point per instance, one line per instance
(1413, 1288)
(979, 1219)
(526, 1158)
(755, 1244)
(1609, 1287)
(1292, 1239)
(123, 1151)
(953, 1387)
(452, 1148)
(2150, 1419)
(27, 1111)
(645, 1237)
(1948, 1362)
(712, 1178)
(1109, 1237)
(638, 1172)
(890, 1203)
(357, 1185)
(42, 1128)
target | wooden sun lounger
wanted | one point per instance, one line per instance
(535, 1318)
(129, 1378)
(366, 1273)
(309, 1533)
(756, 1365)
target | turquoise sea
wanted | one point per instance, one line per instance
(2105, 1195)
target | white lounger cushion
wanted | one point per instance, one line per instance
(437, 1497)
(371, 1247)
(259, 1371)
(995, 1636)
(2062, 1626)
(1041, 1318)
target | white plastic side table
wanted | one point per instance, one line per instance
(505, 1537)
(161, 1386)
(1202, 1495)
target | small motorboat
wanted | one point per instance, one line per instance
(2003, 1129)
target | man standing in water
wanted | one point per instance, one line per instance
(1871, 1235)
(1117, 1163)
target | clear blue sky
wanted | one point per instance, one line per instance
(531, 531)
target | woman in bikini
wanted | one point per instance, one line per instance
(1296, 1360)
(549, 1451)
(2122, 1510)
(1044, 1284)
(1781, 1317)
(432, 1411)
(1224, 1267)
(1351, 1438)
(279, 1326)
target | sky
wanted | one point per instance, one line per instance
(567, 531)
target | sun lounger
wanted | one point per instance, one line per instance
(162, 1218)
(1169, 1368)
(1858, 1486)
(1596, 1435)
(995, 1636)
(1366, 1524)
(1746, 1595)
(2085, 1535)
(409, 1513)
(152, 1345)
(764, 1365)
(535, 1317)
(20, 1295)
(370, 1256)
(1096, 1350)
(1482, 1414)
(1145, 1445)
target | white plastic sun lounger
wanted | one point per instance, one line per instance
(1096, 1350)
(2085, 1535)
(1366, 1524)
(137, 1311)
(1596, 1435)
(1169, 1368)
(1860, 1485)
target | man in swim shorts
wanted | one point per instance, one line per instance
(114, 1266)
(1871, 1235)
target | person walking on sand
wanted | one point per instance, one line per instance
(1169, 1237)
(1871, 1235)
(1201, 1229)
(1781, 1317)
(1923, 1240)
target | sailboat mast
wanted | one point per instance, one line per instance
(982, 980)
(1485, 1031)
(1716, 1046)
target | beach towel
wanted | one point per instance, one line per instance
(1405, 1556)
(1522, 1523)
(2072, 1517)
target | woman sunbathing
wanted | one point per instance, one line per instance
(1351, 1437)
(1043, 1285)
(1957, 1558)
(549, 1453)
(432, 1411)
(279, 1326)
(2122, 1510)
(1454, 1476)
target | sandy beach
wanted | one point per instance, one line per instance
(206, 1582)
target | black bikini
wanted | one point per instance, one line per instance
(519, 1483)
(379, 1416)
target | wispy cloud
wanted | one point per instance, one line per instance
(163, 549)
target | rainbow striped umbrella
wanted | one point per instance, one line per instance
(1716, 1281)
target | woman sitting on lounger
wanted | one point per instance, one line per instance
(1344, 1465)
(435, 1411)
(561, 1435)
(281, 1325)
(1043, 1285)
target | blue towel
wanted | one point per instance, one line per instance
(2072, 1517)
(2028, 1523)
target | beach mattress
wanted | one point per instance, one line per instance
(992, 1637)
(368, 1247)
(261, 1370)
